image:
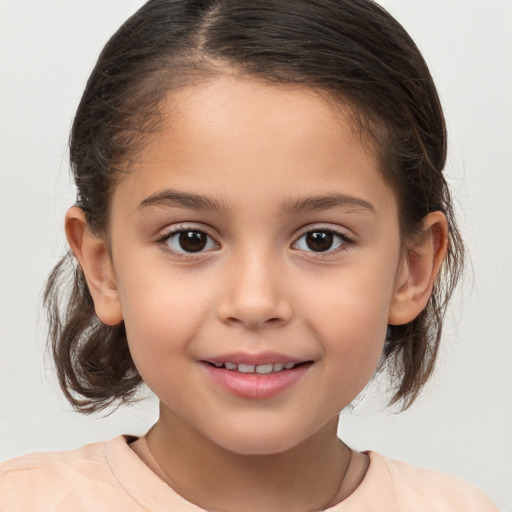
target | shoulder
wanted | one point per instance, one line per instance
(63, 463)
(61, 480)
(423, 490)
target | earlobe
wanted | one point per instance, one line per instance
(93, 256)
(419, 269)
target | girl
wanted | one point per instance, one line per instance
(261, 224)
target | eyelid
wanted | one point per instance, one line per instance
(348, 241)
(175, 229)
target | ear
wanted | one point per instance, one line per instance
(93, 255)
(419, 269)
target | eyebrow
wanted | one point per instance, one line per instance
(174, 198)
(325, 202)
(177, 199)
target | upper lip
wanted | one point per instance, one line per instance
(255, 358)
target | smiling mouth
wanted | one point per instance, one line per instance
(244, 378)
(261, 369)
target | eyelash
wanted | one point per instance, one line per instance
(163, 242)
(344, 242)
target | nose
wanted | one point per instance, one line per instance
(255, 294)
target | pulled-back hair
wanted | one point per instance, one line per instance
(352, 50)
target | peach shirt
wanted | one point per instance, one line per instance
(110, 477)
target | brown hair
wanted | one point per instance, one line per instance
(351, 49)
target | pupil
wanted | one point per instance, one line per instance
(319, 241)
(192, 241)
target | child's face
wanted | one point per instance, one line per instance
(256, 288)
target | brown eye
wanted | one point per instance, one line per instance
(192, 241)
(321, 240)
(189, 241)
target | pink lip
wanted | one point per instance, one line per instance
(253, 385)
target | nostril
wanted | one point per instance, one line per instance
(252, 313)
(254, 323)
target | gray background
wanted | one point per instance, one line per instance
(461, 424)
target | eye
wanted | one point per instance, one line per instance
(321, 240)
(189, 241)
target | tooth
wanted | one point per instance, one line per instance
(264, 368)
(288, 366)
(246, 368)
(230, 366)
(218, 365)
(278, 367)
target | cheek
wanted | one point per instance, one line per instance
(354, 301)
(164, 302)
(351, 321)
(161, 319)
(354, 344)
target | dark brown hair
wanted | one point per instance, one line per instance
(352, 50)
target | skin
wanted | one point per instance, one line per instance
(253, 148)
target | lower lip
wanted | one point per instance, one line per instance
(256, 386)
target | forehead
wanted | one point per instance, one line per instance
(248, 141)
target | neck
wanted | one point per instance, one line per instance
(307, 477)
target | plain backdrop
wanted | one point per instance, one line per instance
(462, 423)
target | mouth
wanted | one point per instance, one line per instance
(256, 378)
(262, 369)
